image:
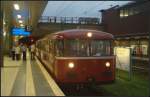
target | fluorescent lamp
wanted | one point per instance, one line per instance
(19, 16)
(20, 21)
(4, 33)
(21, 25)
(4, 23)
(16, 6)
(21, 36)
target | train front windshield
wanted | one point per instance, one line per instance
(83, 48)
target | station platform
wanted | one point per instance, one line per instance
(27, 78)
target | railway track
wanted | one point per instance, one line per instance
(83, 91)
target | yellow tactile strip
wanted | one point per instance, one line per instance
(30, 89)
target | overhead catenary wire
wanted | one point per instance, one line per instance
(58, 8)
(96, 6)
(60, 12)
(75, 8)
(68, 7)
(52, 8)
(110, 4)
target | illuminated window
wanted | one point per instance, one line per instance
(121, 14)
(126, 13)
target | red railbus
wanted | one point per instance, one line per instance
(78, 56)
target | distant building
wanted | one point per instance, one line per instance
(130, 26)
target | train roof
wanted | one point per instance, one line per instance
(80, 34)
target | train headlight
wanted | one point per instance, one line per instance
(89, 34)
(71, 65)
(107, 64)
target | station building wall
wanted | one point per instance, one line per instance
(130, 30)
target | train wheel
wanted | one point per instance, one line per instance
(79, 87)
(91, 82)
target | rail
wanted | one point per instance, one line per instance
(70, 20)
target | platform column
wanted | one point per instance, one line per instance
(1, 36)
(149, 45)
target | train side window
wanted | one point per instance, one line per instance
(50, 46)
(100, 48)
(59, 47)
(47, 46)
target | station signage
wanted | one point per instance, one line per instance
(28, 28)
(20, 31)
(123, 58)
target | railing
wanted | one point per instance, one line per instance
(71, 20)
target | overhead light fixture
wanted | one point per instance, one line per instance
(21, 36)
(21, 25)
(19, 16)
(4, 23)
(20, 21)
(4, 33)
(16, 6)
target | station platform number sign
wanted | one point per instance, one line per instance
(28, 28)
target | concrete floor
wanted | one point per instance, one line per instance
(27, 78)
